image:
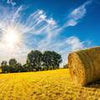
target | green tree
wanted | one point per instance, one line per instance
(12, 62)
(26, 68)
(19, 68)
(4, 63)
(56, 59)
(47, 59)
(34, 59)
(51, 60)
(4, 67)
(65, 66)
(12, 65)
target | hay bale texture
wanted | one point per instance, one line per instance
(84, 66)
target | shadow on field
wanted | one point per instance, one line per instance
(94, 85)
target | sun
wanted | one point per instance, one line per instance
(12, 36)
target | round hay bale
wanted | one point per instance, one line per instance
(84, 66)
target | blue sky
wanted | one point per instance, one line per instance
(63, 26)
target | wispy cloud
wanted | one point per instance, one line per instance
(64, 46)
(77, 14)
(12, 2)
(75, 43)
(37, 24)
(39, 31)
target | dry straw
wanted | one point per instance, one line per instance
(84, 66)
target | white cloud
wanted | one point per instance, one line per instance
(42, 17)
(64, 47)
(71, 22)
(71, 44)
(37, 25)
(77, 14)
(51, 21)
(75, 43)
(11, 2)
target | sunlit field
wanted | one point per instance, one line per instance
(45, 85)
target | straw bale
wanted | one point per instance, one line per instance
(84, 66)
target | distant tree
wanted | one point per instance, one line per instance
(65, 66)
(12, 65)
(19, 68)
(4, 67)
(12, 62)
(4, 63)
(51, 60)
(26, 68)
(34, 59)
(47, 60)
(57, 59)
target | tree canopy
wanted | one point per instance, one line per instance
(36, 61)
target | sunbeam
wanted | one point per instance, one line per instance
(20, 34)
(11, 37)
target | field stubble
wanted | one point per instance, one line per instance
(45, 85)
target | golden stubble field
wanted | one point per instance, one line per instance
(45, 85)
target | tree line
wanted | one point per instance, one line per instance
(36, 61)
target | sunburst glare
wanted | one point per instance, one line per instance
(11, 37)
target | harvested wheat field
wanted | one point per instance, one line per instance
(45, 85)
(84, 65)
